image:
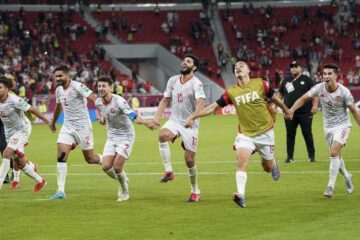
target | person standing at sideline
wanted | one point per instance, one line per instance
(291, 89)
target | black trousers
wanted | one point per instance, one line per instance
(3, 142)
(305, 122)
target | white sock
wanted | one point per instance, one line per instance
(111, 173)
(241, 178)
(342, 169)
(193, 179)
(61, 176)
(16, 175)
(28, 170)
(4, 169)
(334, 169)
(122, 178)
(166, 156)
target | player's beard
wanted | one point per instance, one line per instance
(186, 70)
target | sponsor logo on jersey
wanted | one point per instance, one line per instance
(247, 97)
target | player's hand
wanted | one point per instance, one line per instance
(189, 122)
(314, 110)
(102, 121)
(52, 127)
(152, 124)
(289, 114)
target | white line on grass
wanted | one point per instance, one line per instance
(183, 173)
(202, 162)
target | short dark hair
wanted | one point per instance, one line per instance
(4, 81)
(63, 68)
(332, 66)
(105, 79)
(195, 60)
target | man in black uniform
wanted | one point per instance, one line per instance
(292, 88)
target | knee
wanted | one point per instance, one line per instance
(118, 169)
(164, 136)
(334, 153)
(190, 161)
(267, 165)
(8, 153)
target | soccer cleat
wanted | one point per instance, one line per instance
(289, 160)
(123, 197)
(15, 185)
(58, 195)
(194, 197)
(168, 176)
(275, 172)
(40, 185)
(239, 200)
(329, 192)
(349, 185)
(7, 179)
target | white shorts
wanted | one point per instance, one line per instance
(263, 143)
(82, 137)
(189, 136)
(120, 146)
(18, 141)
(339, 134)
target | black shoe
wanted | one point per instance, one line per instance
(289, 160)
(7, 179)
(312, 159)
(239, 200)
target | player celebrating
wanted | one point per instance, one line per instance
(187, 95)
(72, 97)
(334, 99)
(255, 124)
(117, 115)
(17, 132)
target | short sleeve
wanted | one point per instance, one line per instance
(199, 90)
(349, 99)
(123, 105)
(83, 90)
(21, 104)
(314, 91)
(169, 88)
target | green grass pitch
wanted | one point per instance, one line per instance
(293, 208)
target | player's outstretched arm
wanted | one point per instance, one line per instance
(92, 97)
(315, 105)
(281, 104)
(355, 113)
(155, 122)
(201, 113)
(38, 114)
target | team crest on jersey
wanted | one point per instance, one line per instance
(338, 98)
(112, 110)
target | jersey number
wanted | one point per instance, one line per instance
(180, 97)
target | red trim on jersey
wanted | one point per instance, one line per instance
(266, 87)
(181, 81)
(5, 98)
(107, 103)
(227, 98)
(337, 86)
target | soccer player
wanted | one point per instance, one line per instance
(71, 96)
(334, 100)
(187, 96)
(117, 115)
(256, 132)
(17, 132)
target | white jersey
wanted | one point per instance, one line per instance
(12, 115)
(333, 104)
(184, 97)
(116, 114)
(74, 103)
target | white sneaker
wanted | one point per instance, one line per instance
(123, 197)
(348, 184)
